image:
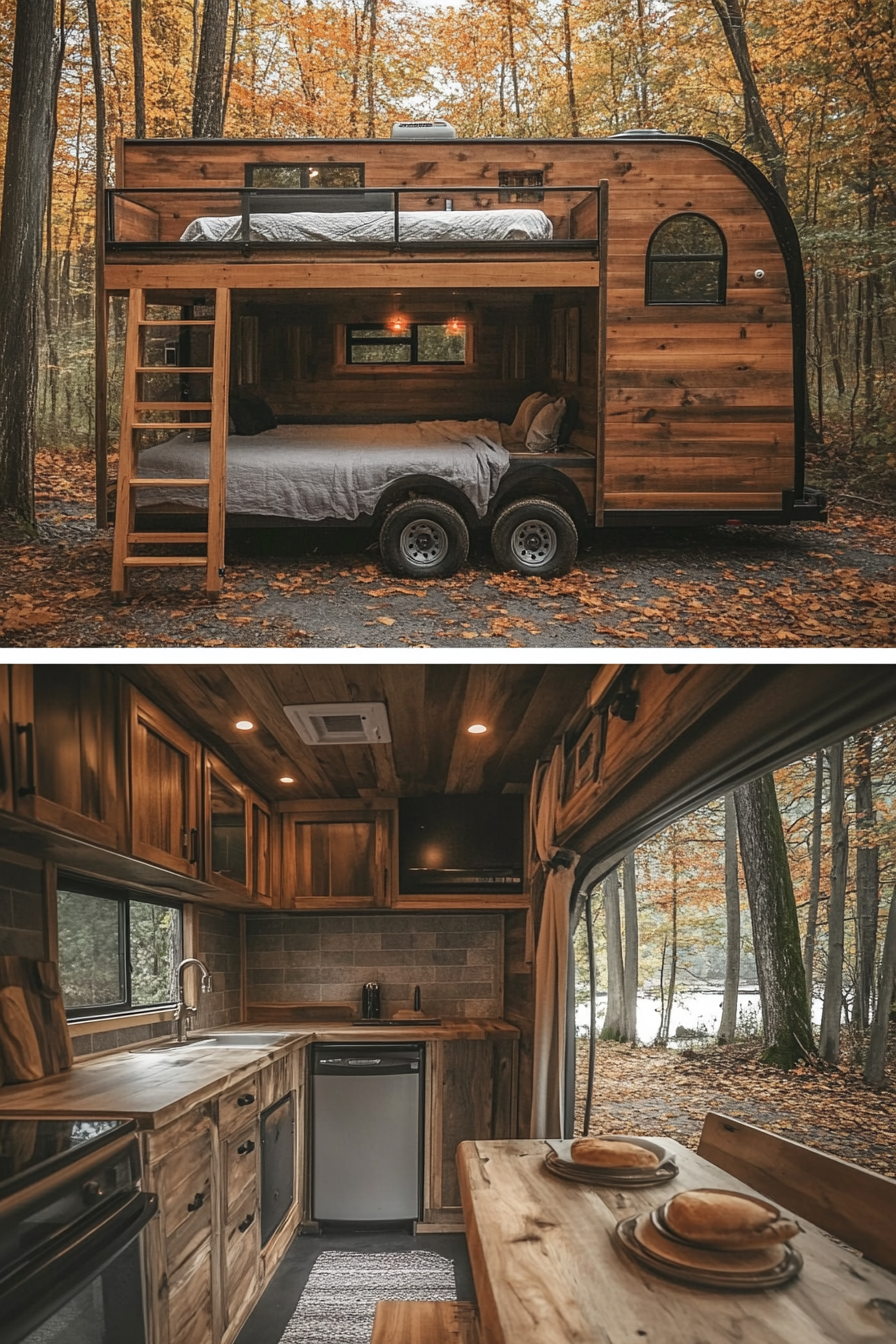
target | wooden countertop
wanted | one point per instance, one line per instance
(156, 1087)
(548, 1269)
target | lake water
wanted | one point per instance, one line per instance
(693, 1009)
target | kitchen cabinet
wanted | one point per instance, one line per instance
(471, 1087)
(227, 828)
(164, 784)
(65, 725)
(337, 854)
(6, 794)
(261, 837)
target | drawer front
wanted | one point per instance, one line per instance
(238, 1106)
(159, 1144)
(187, 1212)
(241, 1158)
(190, 1300)
(242, 1258)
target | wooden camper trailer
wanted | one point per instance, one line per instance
(396, 301)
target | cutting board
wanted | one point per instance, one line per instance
(34, 1036)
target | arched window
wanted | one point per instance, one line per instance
(686, 262)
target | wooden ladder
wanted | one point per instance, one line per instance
(133, 421)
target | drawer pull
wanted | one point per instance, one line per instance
(247, 1147)
(246, 1223)
(196, 1203)
(246, 1099)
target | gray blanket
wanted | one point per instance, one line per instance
(374, 226)
(315, 472)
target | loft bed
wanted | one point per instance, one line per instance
(374, 227)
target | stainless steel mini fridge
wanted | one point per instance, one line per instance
(367, 1107)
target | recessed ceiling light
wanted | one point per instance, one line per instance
(244, 725)
(477, 728)
(287, 779)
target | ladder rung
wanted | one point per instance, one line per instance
(172, 405)
(165, 480)
(174, 368)
(172, 424)
(164, 538)
(163, 561)
(179, 322)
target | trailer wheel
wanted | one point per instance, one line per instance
(535, 536)
(424, 539)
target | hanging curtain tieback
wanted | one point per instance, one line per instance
(561, 858)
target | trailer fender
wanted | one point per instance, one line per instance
(432, 487)
(543, 482)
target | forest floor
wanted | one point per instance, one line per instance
(649, 1090)
(809, 585)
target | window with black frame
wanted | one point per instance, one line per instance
(118, 952)
(686, 262)
(320, 176)
(407, 343)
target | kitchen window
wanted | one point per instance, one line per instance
(117, 952)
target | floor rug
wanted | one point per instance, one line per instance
(340, 1297)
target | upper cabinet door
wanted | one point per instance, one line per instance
(336, 855)
(164, 776)
(65, 731)
(228, 852)
(6, 789)
(262, 851)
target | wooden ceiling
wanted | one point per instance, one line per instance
(524, 707)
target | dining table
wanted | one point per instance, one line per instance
(549, 1268)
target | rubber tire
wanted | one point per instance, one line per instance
(413, 510)
(543, 511)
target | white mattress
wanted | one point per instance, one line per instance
(316, 472)
(375, 227)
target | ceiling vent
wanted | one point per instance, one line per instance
(339, 725)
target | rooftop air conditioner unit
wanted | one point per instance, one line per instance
(339, 725)
(439, 129)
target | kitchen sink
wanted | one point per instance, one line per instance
(239, 1039)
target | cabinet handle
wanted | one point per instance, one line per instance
(26, 731)
(246, 1223)
(196, 1203)
(247, 1147)
(246, 1099)
(185, 844)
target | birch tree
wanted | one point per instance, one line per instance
(728, 1022)
(630, 962)
(829, 1036)
(613, 1028)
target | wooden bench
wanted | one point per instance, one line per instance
(425, 1323)
(853, 1204)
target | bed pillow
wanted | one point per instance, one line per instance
(251, 414)
(545, 428)
(529, 408)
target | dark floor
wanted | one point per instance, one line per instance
(270, 1317)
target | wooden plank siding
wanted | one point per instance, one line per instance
(699, 400)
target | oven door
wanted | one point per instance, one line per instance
(89, 1290)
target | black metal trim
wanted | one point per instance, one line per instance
(722, 279)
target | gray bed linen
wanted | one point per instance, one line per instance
(315, 472)
(375, 227)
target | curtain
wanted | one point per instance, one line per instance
(551, 956)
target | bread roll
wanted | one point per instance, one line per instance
(724, 1219)
(614, 1153)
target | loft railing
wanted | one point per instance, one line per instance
(145, 217)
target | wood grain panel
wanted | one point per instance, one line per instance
(686, 499)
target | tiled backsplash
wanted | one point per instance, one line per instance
(455, 959)
(21, 910)
(218, 945)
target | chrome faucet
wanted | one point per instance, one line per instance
(184, 1013)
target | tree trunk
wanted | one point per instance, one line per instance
(630, 967)
(876, 1059)
(814, 874)
(231, 61)
(101, 317)
(776, 931)
(26, 174)
(208, 99)
(570, 79)
(612, 1029)
(728, 1024)
(759, 132)
(370, 73)
(139, 71)
(867, 878)
(673, 958)
(829, 1036)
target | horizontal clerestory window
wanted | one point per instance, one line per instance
(323, 176)
(407, 343)
(117, 952)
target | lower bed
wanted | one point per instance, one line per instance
(311, 473)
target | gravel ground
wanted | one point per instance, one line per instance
(811, 585)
